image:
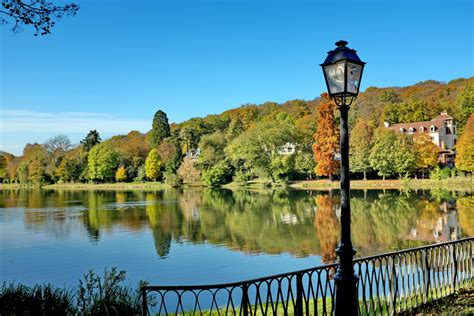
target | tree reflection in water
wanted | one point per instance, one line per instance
(300, 223)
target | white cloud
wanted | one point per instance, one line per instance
(17, 121)
(19, 127)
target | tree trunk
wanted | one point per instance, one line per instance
(365, 175)
(331, 178)
(383, 178)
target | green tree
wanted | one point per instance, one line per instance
(212, 150)
(153, 165)
(326, 139)
(465, 148)
(160, 129)
(92, 139)
(235, 129)
(3, 166)
(411, 110)
(35, 157)
(383, 153)
(405, 156)
(121, 174)
(254, 149)
(218, 174)
(465, 106)
(102, 163)
(360, 146)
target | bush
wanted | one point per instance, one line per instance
(219, 174)
(106, 296)
(440, 174)
(141, 174)
(171, 179)
(17, 299)
(241, 177)
(95, 296)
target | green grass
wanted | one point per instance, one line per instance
(464, 184)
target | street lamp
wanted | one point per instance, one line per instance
(343, 71)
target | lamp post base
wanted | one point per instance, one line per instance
(346, 283)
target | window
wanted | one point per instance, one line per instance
(402, 130)
(411, 130)
(421, 129)
(432, 128)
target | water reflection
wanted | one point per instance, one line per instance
(273, 222)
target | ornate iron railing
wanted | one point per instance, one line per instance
(388, 283)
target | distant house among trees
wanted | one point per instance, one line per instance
(441, 129)
(287, 149)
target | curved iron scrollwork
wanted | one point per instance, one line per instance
(388, 283)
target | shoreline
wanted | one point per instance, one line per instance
(462, 184)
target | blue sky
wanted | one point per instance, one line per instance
(116, 63)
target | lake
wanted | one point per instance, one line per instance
(199, 236)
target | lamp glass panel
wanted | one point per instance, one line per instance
(335, 77)
(354, 72)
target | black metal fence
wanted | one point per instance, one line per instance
(388, 283)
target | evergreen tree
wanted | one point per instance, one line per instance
(92, 139)
(160, 128)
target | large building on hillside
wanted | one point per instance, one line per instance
(441, 129)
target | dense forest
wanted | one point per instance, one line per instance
(252, 141)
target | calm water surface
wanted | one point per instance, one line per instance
(209, 236)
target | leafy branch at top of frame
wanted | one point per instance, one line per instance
(39, 14)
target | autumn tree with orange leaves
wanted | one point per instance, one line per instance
(327, 227)
(326, 139)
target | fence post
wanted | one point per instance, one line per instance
(393, 285)
(455, 261)
(144, 303)
(245, 299)
(426, 274)
(299, 295)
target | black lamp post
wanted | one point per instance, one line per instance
(343, 72)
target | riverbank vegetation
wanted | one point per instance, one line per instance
(276, 143)
(94, 295)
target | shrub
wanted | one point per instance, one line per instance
(141, 174)
(241, 177)
(171, 179)
(440, 174)
(106, 295)
(219, 174)
(17, 299)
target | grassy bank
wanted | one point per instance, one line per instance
(145, 186)
(461, 184)
(464, 184)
